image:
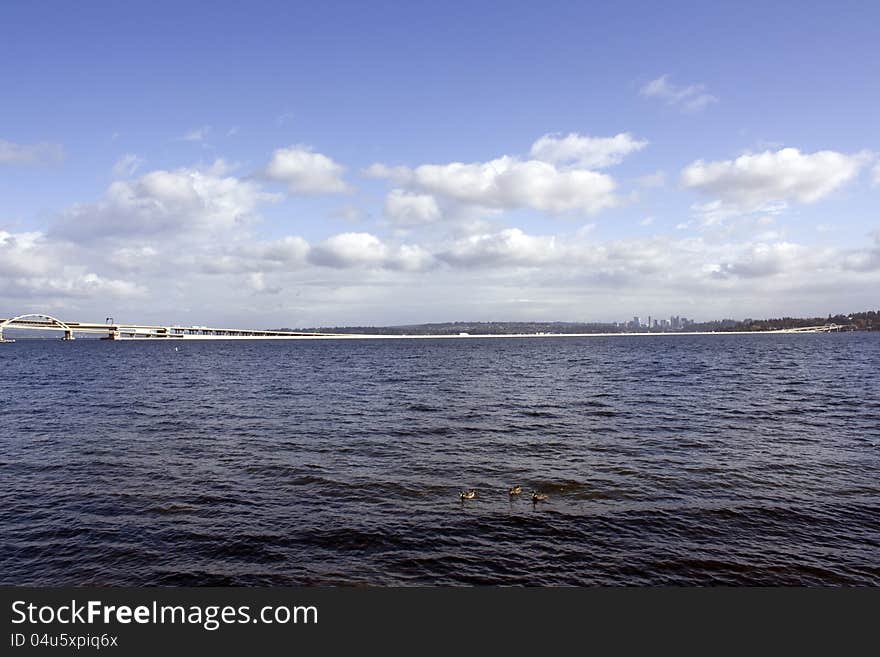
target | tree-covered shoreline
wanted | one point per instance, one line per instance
(860, 321)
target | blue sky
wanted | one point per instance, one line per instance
(382, 162)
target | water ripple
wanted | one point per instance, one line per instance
(683, 460)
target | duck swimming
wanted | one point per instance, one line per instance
(516, 490)
(467, 495)
(539, 497)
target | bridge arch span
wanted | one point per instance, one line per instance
(68, 332)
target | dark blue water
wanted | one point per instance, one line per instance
(667, 460)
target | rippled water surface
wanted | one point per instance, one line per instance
(667, 460)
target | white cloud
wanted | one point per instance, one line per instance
(178, 202)
(657, 261)
(306, 172)
(24, 254)
(256, 281)
(509, 247)
(293, 254)
(877, 174)
(72, 282)
(410, 209)
(585, 151)
(364, 250)
(410, 257)
(133, 257)
(762, 260)
(350, 249)
(690, 98)
(508, 183)
(197, 134)
(285, 253)
(33, 266)
(32, 154)
(752, 180)
(127, 165)
(360, 277)
(201, 223)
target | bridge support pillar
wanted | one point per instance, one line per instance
(68, 335)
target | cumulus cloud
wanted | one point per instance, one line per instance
(752, 180)
(404, 208)
(657, 260)
(256, 281)
(690, 98)
(30, 154)
(178, 202)
(350, 268)
(762, 260)
(288, 253)
(201, 223)
(306, 172)
(350, 249)
(127, 165)
(364, 250)
(24, 254)
(585, 151)
(410, 257)
(293, 254)
(877, 174)
(72, 282)
(508, 183)
(33, 266)
(509, 247)
(133, 258)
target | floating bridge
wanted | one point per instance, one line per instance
(113, 331)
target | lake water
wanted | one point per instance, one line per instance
(723, 459)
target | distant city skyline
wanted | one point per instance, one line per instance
(383, 163)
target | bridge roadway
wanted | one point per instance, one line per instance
(113, 331)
